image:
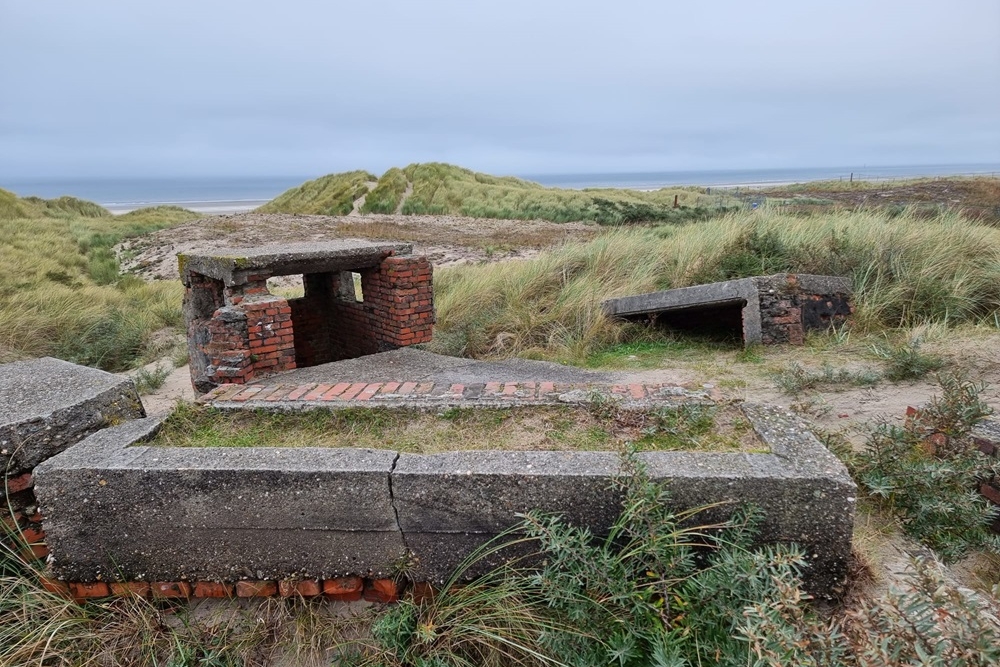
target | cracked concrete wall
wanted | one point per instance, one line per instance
(117, 509)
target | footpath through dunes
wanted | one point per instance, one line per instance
(443, 239)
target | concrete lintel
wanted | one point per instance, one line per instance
(728, 292)
(233, 265)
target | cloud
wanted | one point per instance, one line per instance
(300, 87)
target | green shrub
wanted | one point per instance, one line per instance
(795, 378)
(928, 473)
(907, 362)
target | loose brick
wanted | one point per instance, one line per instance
(252, 589)
(318, 392)
(212, 589)
(300, 391)
(335, 391)
(60, 588)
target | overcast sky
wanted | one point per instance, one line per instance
(298, 87)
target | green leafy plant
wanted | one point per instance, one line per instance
(906, 361)
(796, 378)
(927, 473)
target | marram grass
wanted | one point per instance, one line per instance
(905, 270)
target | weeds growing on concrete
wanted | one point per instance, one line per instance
(795, 378)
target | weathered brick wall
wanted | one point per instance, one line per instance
(787, 311)
(242, 332)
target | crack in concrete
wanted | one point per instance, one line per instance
(395, 510)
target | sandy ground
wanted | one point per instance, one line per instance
(445, 240)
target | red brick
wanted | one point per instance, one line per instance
(19, 483)
(424, 387)
(130, 588)
(407, 388)
(336, 390)
(248, 393)
(256, 589)
(60, 588)
(421, 592)
(381, 590)
(991, 493)
(345, 589)
(637, 391)
(509, 389)
(11, 522)
(492, 388)
(170, 589)
(281, 394)
(83, 591)
(546, 388)
(353, 390)
(32, 535)
(316, 393)
(307, 588)
(389, 388)
(457, 389)
(212, 589)
(369, 391)
(300, 391)
(38, 551)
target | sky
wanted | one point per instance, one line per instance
(115, 88)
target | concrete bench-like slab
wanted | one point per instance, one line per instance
(768, 309)
(47, 405)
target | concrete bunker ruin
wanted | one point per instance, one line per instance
(239, 331)
(761, 310)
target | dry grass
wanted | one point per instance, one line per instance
(602, 427)
(550, 307)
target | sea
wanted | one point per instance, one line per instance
(225, 195)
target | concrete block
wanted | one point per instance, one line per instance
(47, 405)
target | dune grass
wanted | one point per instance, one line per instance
(333, 194)
(61, 293)
(906, 271)
(385, 197)
(443, 189)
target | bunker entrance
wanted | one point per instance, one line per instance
(247, 317)
(716, 322)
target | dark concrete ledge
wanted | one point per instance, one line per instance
(118, 509)
(47, 405)
(233, 265)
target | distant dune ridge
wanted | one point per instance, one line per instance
(442, 189)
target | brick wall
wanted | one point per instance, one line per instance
(239, 333)
(787, 311)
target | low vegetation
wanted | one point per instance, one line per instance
(551, 307)
(927, 472)
(388, 194)
(443, 189)
(604, 425)
(333, 194)
(61, 293)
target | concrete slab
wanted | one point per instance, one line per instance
(773, 309)
(233, 265)
(119, 509)
(47, 405)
